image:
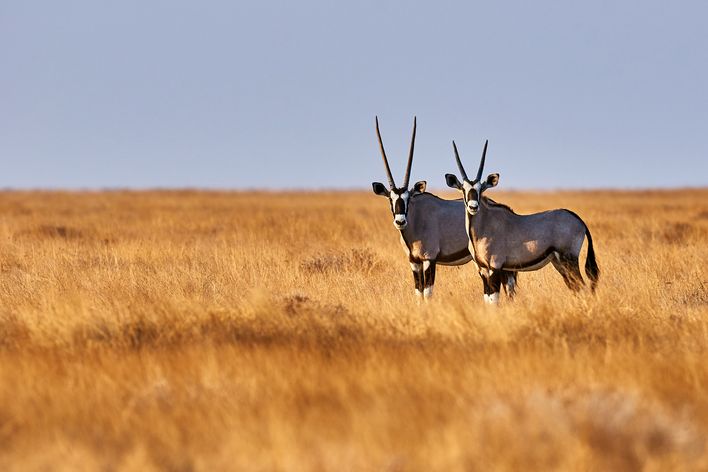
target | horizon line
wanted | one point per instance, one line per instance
(138, 189)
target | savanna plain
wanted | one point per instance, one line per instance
(188, 330)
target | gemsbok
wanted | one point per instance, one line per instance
(432, 229)
(502, 240)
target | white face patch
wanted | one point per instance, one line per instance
(395, 197)
(400, 222)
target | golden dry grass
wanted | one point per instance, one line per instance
(247, 331)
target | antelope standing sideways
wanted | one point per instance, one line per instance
(432, 229)
(501, 240)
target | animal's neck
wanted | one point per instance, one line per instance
(475, 224)
(405, 233)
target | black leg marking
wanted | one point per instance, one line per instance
(428, 277)
(418, 279)
(485, 284)
(417, 268)
(429, 274)
(495, 281)
(509, 282)
(569, 268)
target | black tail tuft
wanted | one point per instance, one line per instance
(591, 268)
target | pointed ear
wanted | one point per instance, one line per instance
(419, 187)
(492, 180)
(452, 182)
(379, 189)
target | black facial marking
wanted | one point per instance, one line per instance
(400, 207)
(472, 195)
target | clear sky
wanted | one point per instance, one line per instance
(265, 94)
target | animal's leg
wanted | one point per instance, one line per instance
(485, 284)
(495, 282)
(417, 269)
(428, 278)
(509, 281)
(569, 268)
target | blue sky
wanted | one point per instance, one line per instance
(223, 94)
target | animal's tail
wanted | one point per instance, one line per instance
(591, 268)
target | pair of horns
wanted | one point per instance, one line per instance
(481, 164)
(407, 176)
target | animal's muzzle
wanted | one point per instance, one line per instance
(472, 207)
(400, 221)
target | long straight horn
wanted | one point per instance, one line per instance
(459, 162)
(410, 157)
(481, 164)
(391, 183)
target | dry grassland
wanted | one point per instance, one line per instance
(247, 331)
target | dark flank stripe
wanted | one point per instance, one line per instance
(531, 263)
(455, 256)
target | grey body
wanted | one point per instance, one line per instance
(503, 239)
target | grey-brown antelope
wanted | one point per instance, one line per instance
(501, 240)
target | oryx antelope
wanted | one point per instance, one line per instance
(501, 240)
(432, 229)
